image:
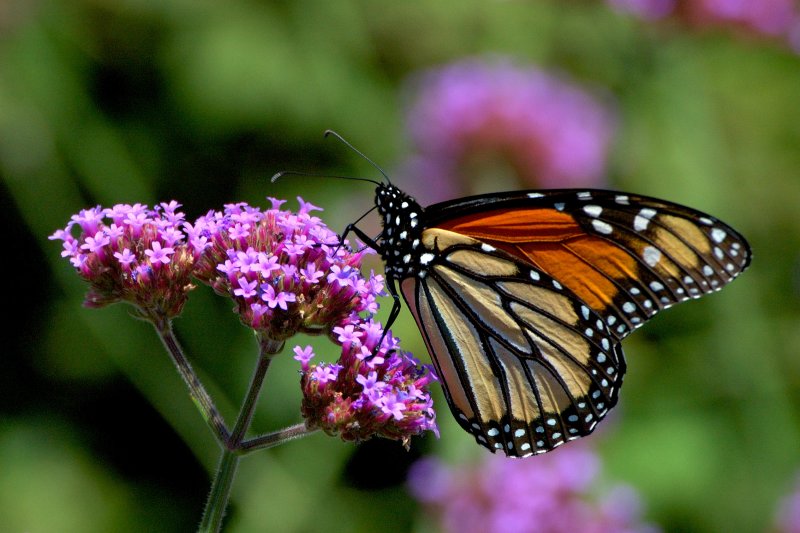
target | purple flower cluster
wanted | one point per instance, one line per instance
(286, 271)
(767, 18)
(551, 494)
(548, 131)
(370, 391)
(131, 253)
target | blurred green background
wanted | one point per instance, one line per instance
(146, 101)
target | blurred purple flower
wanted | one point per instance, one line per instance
(548, 131)
(551, 494)
(769, 17)
(766, 18)
(646, 9)
(131, 253)
(788, 516)
(286, 271)
(384, 393)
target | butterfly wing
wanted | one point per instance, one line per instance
(523, 297)
(525, 365)
(625, 256)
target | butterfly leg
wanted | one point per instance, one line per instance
(390, 282)
(366, 239)
(396, 305)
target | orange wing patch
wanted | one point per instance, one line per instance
(555, 243)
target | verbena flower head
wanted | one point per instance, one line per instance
(370, 391)
(550, 494)
(286, 272)
(131, 253)
(550, 132)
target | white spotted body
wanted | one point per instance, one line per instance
(400, 243)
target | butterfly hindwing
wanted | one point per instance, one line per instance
(535, 366)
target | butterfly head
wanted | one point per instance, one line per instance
(401, 217)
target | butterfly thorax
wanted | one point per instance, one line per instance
(402, 229)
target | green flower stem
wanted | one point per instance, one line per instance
(198, 393)
(223, 480)
(268, 348)
(270, 440)
(220, 492)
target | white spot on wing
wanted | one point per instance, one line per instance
(426, 258)
(651, 255)
(602, 227)
(593, 210)
(642, 220)
(535, 195)
(487, 248)
(718, 235)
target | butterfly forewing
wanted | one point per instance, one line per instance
(625, 256)
(535, 367)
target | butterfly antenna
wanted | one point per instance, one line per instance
(356, 150)
(282, 173)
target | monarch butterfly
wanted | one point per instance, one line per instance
(523, 297)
